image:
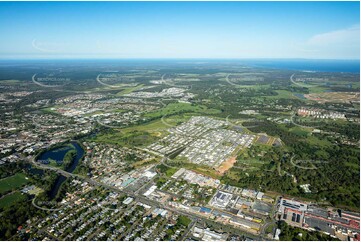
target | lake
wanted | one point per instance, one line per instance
(58, 154)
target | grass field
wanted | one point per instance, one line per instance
(303, 132)
(317, 89)
(10, 199)
(171, 171)
(9, 81)
(12, 182)
(129, 90)
(320, 87)
(352, 165)
(143, 134)
(233, 173)
(140, 135)
(256, 87)
(175, 108)
(313, 140)
(249, 165)
(282, 94)
(51, 110)
(145, 162)
(156, 128)
(177, 119)
(131, 138)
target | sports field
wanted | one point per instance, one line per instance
(9, 199)
(15, 181)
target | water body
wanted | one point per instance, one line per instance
(347, 66)
(58, 155)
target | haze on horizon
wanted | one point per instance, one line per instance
(311, 30)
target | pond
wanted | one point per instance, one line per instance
(58, 154)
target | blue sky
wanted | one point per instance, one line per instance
(317, 30)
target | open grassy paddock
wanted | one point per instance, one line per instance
(8, 200)
(12, 182)
(176, 108)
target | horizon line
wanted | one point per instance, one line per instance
(176, 58)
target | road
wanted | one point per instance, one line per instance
(231, 83)
(273, 219)
(299, 125)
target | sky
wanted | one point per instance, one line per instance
(311, 30)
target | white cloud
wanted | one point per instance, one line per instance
(343, 36)
(338, 44)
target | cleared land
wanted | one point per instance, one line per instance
(341, 97)
(226, 165)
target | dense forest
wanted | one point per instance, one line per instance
(289, 233)
(331, 170)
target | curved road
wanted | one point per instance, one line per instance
(231, 83)
(293, 114)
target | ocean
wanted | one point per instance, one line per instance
(311, 65)
(350, 66)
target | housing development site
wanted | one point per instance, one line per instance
(202, 140)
